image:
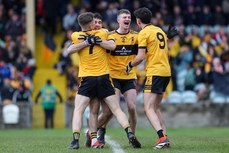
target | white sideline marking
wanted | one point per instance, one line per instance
(115, 146)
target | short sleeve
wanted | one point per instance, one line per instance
(111, 37)
(74, 37)
(142, 40)
(103, 34)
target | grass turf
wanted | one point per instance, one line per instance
(189, 140)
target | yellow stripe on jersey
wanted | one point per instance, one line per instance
(155, 41)
(125, 51)
(92, 59)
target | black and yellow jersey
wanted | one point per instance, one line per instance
(125, 51)
(92, 59)
(155, 41)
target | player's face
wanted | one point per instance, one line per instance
(98, 23)
(124, 20)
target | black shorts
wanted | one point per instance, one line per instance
(124, 85)
(156, 84)
(96, 86)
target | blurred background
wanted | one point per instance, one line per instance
(34, 34)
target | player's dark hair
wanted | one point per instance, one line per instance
(98, 16)
(123, 11)
(144, 14)
(85, 18)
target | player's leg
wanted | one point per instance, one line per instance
(162, 121)
(130, 98)
(105, 116)
(151, 105)
(91, 135)
(113, 104)
(151, 101)
(93, 117)
(107, 93)
(81, 102)
(153, 94)
(103, 119)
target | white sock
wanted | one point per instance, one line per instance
(93, 141)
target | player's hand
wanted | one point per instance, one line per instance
(128, 68)
(65, 53)
(90, 39)
(172, 32)
(97, 40)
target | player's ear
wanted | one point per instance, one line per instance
(138, 21)
(118, 19)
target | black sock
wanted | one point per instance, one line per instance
(160, 133)
(76, 136)
(103, 129)
(128, 130)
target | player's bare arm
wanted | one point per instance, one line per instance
(139, 58)
(108, 44)
(76, 47)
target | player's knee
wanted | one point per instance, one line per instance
(146, 110)
(78, 111)
(132, 109)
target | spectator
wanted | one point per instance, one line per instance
(51, 15)
(111, 15)
(178, 17)
(190, 16)
(219, 19)
(64, 60)
(7, 91)
(13, 52)
(23, 48)
(22, 94)
(2, 21)
(69, 20)
(190, 79)
(40, 12)
(206, 16)
(5, 70)
(217, 65)
(14, 27)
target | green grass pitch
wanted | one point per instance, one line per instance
(183, 140)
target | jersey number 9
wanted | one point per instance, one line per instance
(161, 38)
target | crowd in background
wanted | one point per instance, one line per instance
(201, 49)
(17, 64)
(172, 12)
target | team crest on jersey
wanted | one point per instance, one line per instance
(123, 39)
